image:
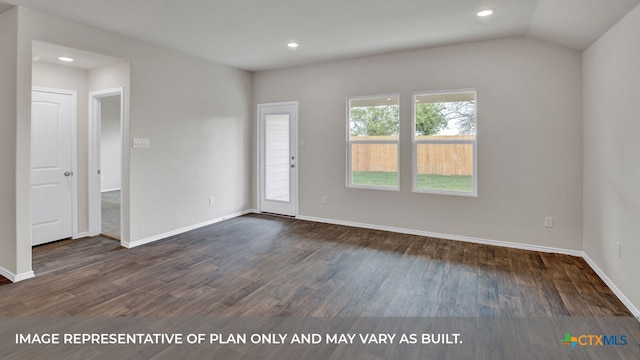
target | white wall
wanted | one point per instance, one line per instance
(111, 147)
(68, 78)
(8, 46)
(529, 139)
(611, 154)
(197, 115)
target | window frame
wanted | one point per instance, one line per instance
(415, 142)
(351, 142)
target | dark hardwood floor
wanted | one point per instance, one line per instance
(259, 265)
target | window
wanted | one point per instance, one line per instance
(372, 143)
(445, 143)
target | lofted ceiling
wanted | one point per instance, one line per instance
(85, 60)
(252, 34)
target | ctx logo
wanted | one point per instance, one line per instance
(594, 340)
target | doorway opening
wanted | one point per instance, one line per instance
(106, 123)
(88, 74)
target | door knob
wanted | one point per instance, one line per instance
(292, 165)
(68, 173)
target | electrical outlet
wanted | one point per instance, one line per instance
(212, 200)
(325, 199)
(548, 222)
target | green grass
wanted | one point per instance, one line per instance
(443, 182)
(435, 182)
(375, 178)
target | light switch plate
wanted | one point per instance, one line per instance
(140, 143)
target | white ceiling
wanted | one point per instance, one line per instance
(50, 53)
(576, 23)
(252, 34)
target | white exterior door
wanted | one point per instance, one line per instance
(51, 166)
(278, 129)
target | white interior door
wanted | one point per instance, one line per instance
(51, 166)
(278, 158)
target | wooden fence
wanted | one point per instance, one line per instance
(433, 159)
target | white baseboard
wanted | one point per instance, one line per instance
(8, 274)
(151, 239)
(24, 276)
(446, 236)
(634, 310)
(15, 278)
(107, 190)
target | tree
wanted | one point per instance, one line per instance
(374, 120)
(430, 119)
(464, 115)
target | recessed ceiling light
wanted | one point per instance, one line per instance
(35, 58)
(293, 45)
(67, 59)
(388, 99)
(483, 13)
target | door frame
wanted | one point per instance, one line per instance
(74, 153)
(293, 150)
(95, 199)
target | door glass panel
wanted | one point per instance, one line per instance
(277, 174)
